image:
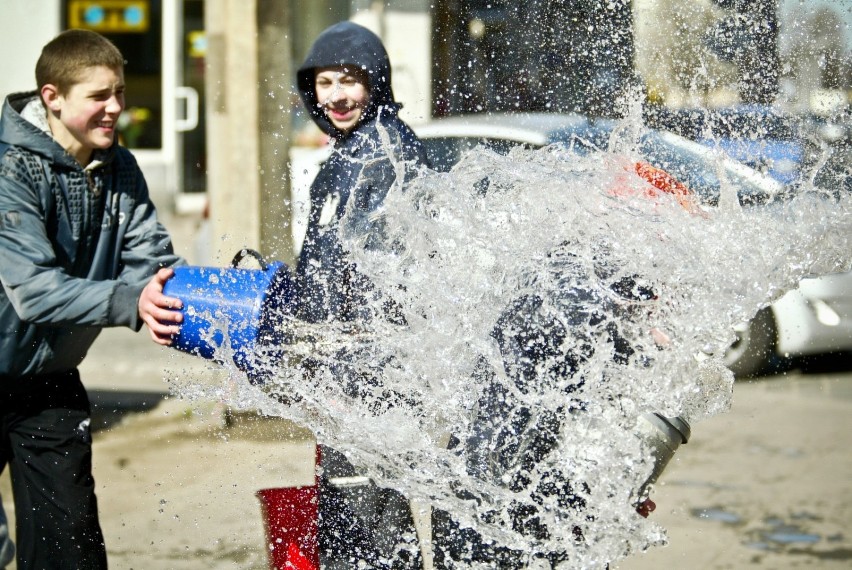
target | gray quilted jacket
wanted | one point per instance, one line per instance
(77, 245)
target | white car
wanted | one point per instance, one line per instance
(814, 319)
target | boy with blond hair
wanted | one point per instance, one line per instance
(80, 249)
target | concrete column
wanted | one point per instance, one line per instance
(247, 83)
(233, 180)
(274, 104)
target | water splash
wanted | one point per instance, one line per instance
(548, 302)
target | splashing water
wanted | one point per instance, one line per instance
(547, 303)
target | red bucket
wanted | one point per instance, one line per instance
(290, 517)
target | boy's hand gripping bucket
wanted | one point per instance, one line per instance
(240, 304)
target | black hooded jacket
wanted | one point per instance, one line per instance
(362, 169)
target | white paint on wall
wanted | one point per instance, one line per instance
(25, 26)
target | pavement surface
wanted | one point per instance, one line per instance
(765, 486)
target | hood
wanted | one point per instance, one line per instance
(24, 123)
(348, 43)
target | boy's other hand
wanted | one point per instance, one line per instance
(158, 311)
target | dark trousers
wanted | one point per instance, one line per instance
(362, 525)
(46, 441)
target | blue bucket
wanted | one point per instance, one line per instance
(239, 304)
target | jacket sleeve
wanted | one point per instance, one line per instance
(145, 249)
(40, 289)
(37, 286)
(147, 245)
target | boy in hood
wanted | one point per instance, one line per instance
(80, 249)
(345, 84)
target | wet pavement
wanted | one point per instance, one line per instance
(766, 485)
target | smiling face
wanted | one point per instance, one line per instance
(343, 93)
(85, 117)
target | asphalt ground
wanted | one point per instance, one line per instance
(765, 486)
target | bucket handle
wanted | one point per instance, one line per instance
(246, 252)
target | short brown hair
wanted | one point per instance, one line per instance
(66, 56)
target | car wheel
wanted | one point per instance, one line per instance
(754, 349)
